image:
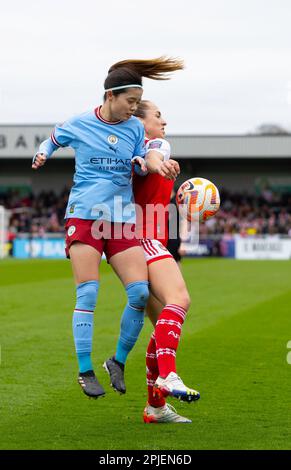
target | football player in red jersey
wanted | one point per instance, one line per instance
(169, 299)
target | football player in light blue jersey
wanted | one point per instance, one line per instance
(105, 142)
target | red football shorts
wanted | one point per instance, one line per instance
(110, 238)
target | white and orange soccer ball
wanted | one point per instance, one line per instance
(198, 195)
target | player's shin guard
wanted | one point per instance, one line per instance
(83, 323)
(167, 334)
(132, 319)
(152, 371)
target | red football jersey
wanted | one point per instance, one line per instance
(153, 193)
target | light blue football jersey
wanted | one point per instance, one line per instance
(103, 171)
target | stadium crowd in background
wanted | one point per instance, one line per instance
(268, 213)
(35, 214)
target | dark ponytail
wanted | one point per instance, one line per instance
(131, 72)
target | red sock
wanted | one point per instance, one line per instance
(167, 334)
(152, 374)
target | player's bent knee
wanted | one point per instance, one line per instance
(186, 301)
(87, 295)
(182, 299)
(138, 293)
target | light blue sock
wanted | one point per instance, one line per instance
(83, 321)
(132, 319)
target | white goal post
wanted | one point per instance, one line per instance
(3, 231)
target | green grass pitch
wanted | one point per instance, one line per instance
(233, 350)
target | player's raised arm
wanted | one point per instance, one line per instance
(62, 136)
(158, 159)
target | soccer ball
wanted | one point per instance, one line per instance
(198, 195)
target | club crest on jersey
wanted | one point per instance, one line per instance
(71, 230)
(112, 139)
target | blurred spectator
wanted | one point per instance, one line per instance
(35, 214)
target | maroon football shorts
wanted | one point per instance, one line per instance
(105, 237)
